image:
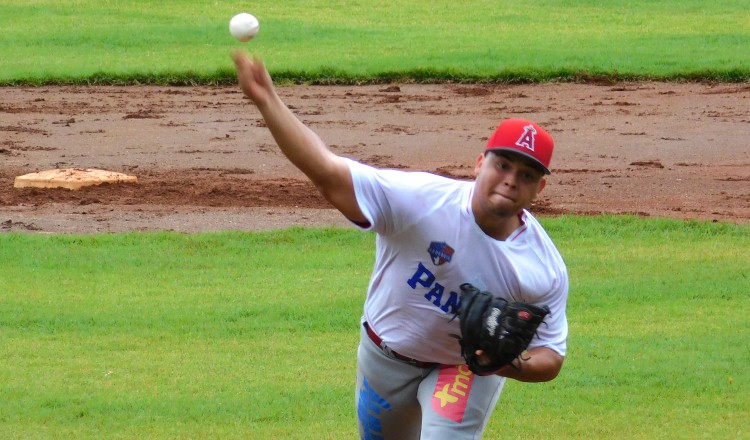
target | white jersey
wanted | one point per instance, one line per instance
(428, 244)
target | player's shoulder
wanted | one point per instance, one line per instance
(532, 223)
(417, 180)
(536, 237)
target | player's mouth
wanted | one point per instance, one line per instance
(504, 196)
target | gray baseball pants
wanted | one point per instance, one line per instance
(396, 400)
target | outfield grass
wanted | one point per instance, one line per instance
(252, 335)
(187, 42)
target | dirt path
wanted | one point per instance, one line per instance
(206, 162)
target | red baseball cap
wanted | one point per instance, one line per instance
(523, 137)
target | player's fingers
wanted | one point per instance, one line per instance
(249, 68)
(482, 360)
(238, 54)
(241, 61)
(245, 72)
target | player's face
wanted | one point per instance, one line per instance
(505, 184)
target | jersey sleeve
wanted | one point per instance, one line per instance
(391, 200)
(371, 197)
(553, 333)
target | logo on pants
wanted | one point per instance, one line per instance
(370, 407)
(452, 392)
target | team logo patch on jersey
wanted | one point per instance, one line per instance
(452, 392)
(440, 252)
(527, 138)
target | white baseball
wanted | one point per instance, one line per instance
(244, 26)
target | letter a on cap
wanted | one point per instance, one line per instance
(527, 138)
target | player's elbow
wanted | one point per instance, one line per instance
(544, 365)
(552, 368)
(552, 371)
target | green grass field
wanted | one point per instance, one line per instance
(188, 42)
(243, 335)
(246, 335)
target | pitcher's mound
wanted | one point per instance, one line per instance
(71, 178)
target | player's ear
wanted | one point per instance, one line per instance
(478, 165)
(542, 184)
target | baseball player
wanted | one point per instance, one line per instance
(434, 234)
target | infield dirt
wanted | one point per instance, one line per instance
(206, 162)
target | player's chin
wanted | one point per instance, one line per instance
(503, 204)
(505, 211)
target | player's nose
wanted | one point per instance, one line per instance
(510, 179)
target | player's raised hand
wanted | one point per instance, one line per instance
(254, 79)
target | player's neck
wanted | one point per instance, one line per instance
(499, 227)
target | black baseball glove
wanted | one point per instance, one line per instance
(502, 330)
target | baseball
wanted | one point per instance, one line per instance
(244, 26)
